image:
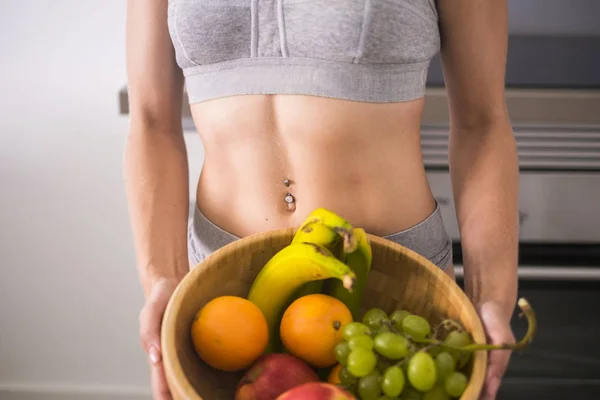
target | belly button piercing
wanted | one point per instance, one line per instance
(290, 201)
(286, 182)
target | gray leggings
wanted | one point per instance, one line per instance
(428, 238)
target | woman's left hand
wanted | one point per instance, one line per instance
(498, 331)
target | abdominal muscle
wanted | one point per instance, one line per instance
(360, 160)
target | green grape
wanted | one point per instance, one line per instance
(397, 316)
(458, 339)
(445, 365)
(436, 393)
(391, 345)
(374, 318)
(363, 341)
(411, 393)
(354, 329)
(393, 381)
(346, 378)
(421, 371)
(384, 397)
(342, 350)
(361, 362)
(369, 386)
(383, 328)
(416, 326)
(455, 384)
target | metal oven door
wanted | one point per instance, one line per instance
(563, 362)
(559, 273)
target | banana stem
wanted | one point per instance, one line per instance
(350, 240)
(348, 282)
(529, 313)
(346, 233)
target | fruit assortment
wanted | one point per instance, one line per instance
(299, 334)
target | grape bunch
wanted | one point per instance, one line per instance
(400, 356)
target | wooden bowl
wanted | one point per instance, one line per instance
(399, 278)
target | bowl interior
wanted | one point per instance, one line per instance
(399, 278)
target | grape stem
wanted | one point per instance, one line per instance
(527, 311)
(447, 325)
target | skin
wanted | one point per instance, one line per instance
(356, 159)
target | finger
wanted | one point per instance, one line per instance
(497, 332)
(151, 320)
(160, 389)
(497, 362)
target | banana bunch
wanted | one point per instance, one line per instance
(327, 255)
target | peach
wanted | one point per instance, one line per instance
(273, 374)
(316, 391)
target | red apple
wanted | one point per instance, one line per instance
(316, 391)
(273, 374)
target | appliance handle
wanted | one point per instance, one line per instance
(550, 273)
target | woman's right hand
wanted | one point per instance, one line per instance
(150, 327)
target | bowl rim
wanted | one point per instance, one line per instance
(182, 386)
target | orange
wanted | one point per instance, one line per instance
(229, 333)
(311, 327)
(334, 377)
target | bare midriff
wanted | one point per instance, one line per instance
(360, 160)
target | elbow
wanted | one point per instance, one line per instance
(483, 132)
(151, 121)
(488, 127)
(150, 115)
(490, 119)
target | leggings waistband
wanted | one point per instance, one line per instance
(428, 238)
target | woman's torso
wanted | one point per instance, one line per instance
(345, 128)
(362, 161)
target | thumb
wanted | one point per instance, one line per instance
(150, 319)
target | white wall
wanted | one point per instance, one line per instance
(69, 292)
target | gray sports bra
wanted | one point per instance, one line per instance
(363, 50)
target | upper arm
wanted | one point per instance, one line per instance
(474, 38)
(154, 81)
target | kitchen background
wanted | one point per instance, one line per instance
(69, 292)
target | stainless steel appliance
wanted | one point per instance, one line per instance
(559, 269)
(553, 96)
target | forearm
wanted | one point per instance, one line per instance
(484, 171)
(156, 181)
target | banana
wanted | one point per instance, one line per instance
(329, 230)
(293, 266)
(360, 263)
(326, 228)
